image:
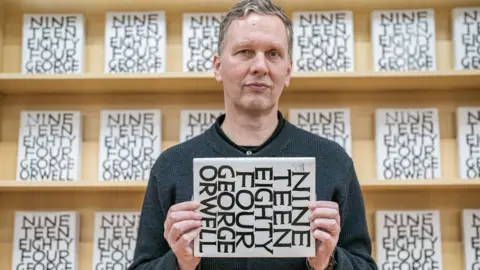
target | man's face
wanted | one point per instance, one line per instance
(255, 65)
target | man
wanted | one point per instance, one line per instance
(254, 64)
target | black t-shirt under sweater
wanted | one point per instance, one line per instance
(247, 149)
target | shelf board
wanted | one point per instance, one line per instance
(440, 184)
(90, 186)
(15, 186)
(108, 83)
(214, 5)
(182, 82)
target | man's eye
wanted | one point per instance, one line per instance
(274, 54)
(245, 52)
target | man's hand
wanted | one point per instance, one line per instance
(181, 227)
(326, 229)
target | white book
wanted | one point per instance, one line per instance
(199, 40)
(468, 142)
(135, 42)
(471, 238)
(130, 142)
(260, 208)
(115, 238)
(53, 44)
(403, 40)
(323, 41)
(45, 240)
(195, 122)
(407, 144)
(408, 239)
(465, 38)
(333, 124)
(49, 146)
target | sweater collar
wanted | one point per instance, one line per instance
(271, 147)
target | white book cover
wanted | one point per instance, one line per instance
(465, 38)
(135, 42)
(468, 142)
(333, 124)
(49, 146)
(323, 41)
(53, 44)
(45, 240)
(471, 238)
(408, 239)
(403, 40)
(199, 40)
(115, 238)
(407, 144)
(130, 142)
(260, 208)
(195, 122)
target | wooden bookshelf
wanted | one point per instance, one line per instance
(134, 187)
(217, 5)
(362, 91)
(88, 202)
(81, 185)
(198, 83)
(365, 168)
(95, 30)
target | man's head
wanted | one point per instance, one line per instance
(254, 56)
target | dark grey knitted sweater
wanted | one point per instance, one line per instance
(171, 182)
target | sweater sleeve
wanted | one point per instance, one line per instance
(354, 245)
(152, 250)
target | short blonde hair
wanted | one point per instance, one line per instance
(243, 8)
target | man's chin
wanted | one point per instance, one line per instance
(257, 106)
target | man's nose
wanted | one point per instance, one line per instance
(259, 64)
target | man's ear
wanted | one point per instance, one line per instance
(289, 73)
(217, 65)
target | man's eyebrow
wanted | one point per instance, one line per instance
(250, 42)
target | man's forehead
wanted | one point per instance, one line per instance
(243, 29)
(257, 20)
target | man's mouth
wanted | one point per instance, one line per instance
(258, 86)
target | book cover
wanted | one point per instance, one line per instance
(49, 146)
(333, 124)
(407, 143)
(199, 40)
(323, 41)
(135, 42)
(403, 40)
(53, 44)
(408, 239)
(115, 238)
(260, 208)
(468, 142)
(471, 237)
(466, 38)
(45, 240)
(195, 122)
(130, 142)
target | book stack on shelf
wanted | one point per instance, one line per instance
(92, 93)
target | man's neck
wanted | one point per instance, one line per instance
(248, 130)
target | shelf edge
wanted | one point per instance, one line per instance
(82, 185)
